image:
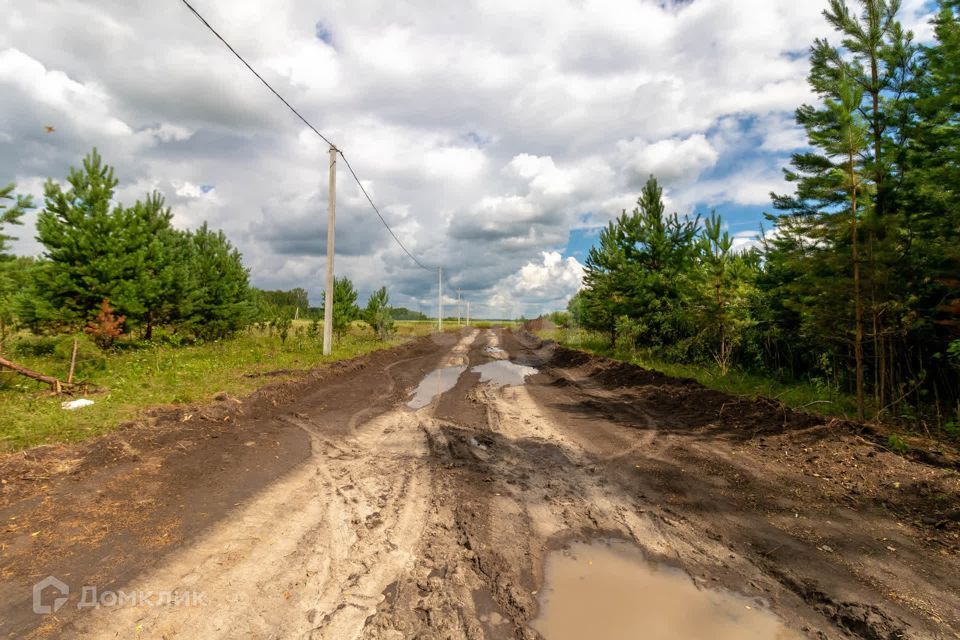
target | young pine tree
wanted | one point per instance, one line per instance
(378, 314)
(10, 267)
(218, 300)
(345, 309)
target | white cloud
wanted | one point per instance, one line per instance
(671, 160)
(539, 286)
(483, 146)
(66, 102)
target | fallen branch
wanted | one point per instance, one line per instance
(56, 385)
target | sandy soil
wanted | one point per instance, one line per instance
(327, 508)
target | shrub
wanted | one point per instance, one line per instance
(107, 326)
(897, 444)
(89, 357)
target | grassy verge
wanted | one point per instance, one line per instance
(798, 395)
(151, 375)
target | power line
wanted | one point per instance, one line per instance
(254, 72)
(370, 200)
(310, 126)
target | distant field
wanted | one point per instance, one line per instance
(139, 375)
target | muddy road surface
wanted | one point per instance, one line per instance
(480, 484)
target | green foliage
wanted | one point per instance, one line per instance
(657, 281)
(628, 331)
(377, 314)
(402, 313)
(15, 277)
(857, 289)
(640, 269)
(11, 214)
(897, 444)
(217, 302)
(954, 351)
(726, 280)
(282, 324)
(268, 304)
(153, 274)
(345, 309)
(560, 318)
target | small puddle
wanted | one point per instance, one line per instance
(503, 372)
(608, 589)
(434, 383)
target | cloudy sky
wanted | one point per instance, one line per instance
(495, 135)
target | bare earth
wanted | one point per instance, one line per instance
(327, 508)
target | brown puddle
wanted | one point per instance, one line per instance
(608, 589)
(503, 372)
(433, 384)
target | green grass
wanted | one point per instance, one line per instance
(150, 375)
(798, 395)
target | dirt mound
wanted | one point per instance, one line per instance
(683, 399)
(539, 324)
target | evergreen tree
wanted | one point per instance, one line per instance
(98, 250)
(156, 273)
(16, 275)
(726, 284)
(10, 268)
(345, 309)
(83, 244)
(11, 214)
(217, 303)
(640, 269)
(378, 313)
(603, 299)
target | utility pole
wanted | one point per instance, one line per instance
(440, 299)
(331, 216)
(468, 313)
(458, 306)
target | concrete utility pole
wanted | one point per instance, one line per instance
(458, 307)
(440, 299)
(331, 216)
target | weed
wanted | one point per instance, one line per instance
(897, 444)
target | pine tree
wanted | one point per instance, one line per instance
(345, 309)
(156, 272)
(11, 214)
(10, 268)
(640, 269)
(846, 187)
(726, 282)
(217, 302)
(603, 299)
(882, 60)
(83, 248)
(377, 314)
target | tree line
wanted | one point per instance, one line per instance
(103, 256)
(109, 269)
(857, 281)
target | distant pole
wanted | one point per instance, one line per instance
(458, 307)
(331, 216)
(468, 313)
(440, 299)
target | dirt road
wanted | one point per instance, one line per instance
(330, 508)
